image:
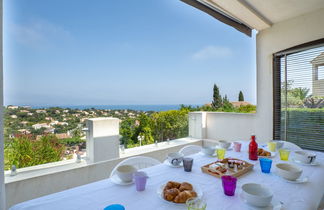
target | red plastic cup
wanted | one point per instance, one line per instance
(229, 185)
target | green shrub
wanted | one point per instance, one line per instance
(24, 151)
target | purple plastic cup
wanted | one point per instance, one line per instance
(140, 178)
(237, 146)
(229, 185)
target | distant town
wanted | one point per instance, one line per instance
(65, 123)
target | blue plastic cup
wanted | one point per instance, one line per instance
(265, 165)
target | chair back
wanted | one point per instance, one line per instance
(139, 162)
(190, 150)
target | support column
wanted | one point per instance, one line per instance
(197, 125)
(102, 139)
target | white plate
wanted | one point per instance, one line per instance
(299, 180)
(196, 188)
(273, 154)
(213, 155)
(274, 205)
(116, 180)
(166, 162)
(306, 164)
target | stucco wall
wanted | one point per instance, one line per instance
(280, 36)
(229, 126)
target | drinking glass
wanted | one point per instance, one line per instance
(265, 165)
(229, 185)
(221, 154)
(196, 204)
(237, 146)
(140, 180)
(187, 164)
(272, 146)
(284, 154)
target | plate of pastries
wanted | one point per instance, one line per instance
(265, 153)
(178, 192)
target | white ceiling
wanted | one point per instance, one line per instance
(261, 14)
(279, 10)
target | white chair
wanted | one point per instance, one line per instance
(291, 146)
(139, 162)
(190, 150)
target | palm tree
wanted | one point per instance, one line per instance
(300, 93)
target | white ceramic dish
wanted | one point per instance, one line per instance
(224, 144)
(273, 154)
(175, 158)
(125, 172)
(213, 155)
(305, 157)
(209, 151)
(196, 188)
(274, 205)
(166, 162)
(300, 180)
(306, 164)
(116, 180)
(257, 195)
(288, 171)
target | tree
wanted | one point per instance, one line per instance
(300, 92)
(217, 98)
(241, 96)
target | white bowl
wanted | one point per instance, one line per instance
(257, 195)
(279, 144)
(125, 172)
(175, 158)
(224, 144)
(304, 157)
(208, 150)
(288, 171)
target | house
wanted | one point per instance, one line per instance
(13, 116)
(12, 107)
(62, 135)
(237, 104)
(40, 125)
(39, 111)
(24, 131)
(318, 76)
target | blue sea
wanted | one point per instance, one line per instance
(156, 108)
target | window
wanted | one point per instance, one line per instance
(299, 95)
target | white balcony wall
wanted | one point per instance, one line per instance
(222, 125)
(230, 126)
(280, 36)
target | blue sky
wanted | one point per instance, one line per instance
(82, 52)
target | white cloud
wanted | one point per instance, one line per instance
(38, 33)
(212, 52)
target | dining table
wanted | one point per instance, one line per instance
(100, 194)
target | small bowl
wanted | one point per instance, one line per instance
(304, 157)
(279, 144)
(208, 150)
(224, 144)
(175, 158)
(257, 195)
(288, 171)
(125, 172)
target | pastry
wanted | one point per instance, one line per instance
(262, 152)
(185, 186)
(171, 185)
(170, 194)
(184, 196)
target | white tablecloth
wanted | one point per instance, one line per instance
(99, 194)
